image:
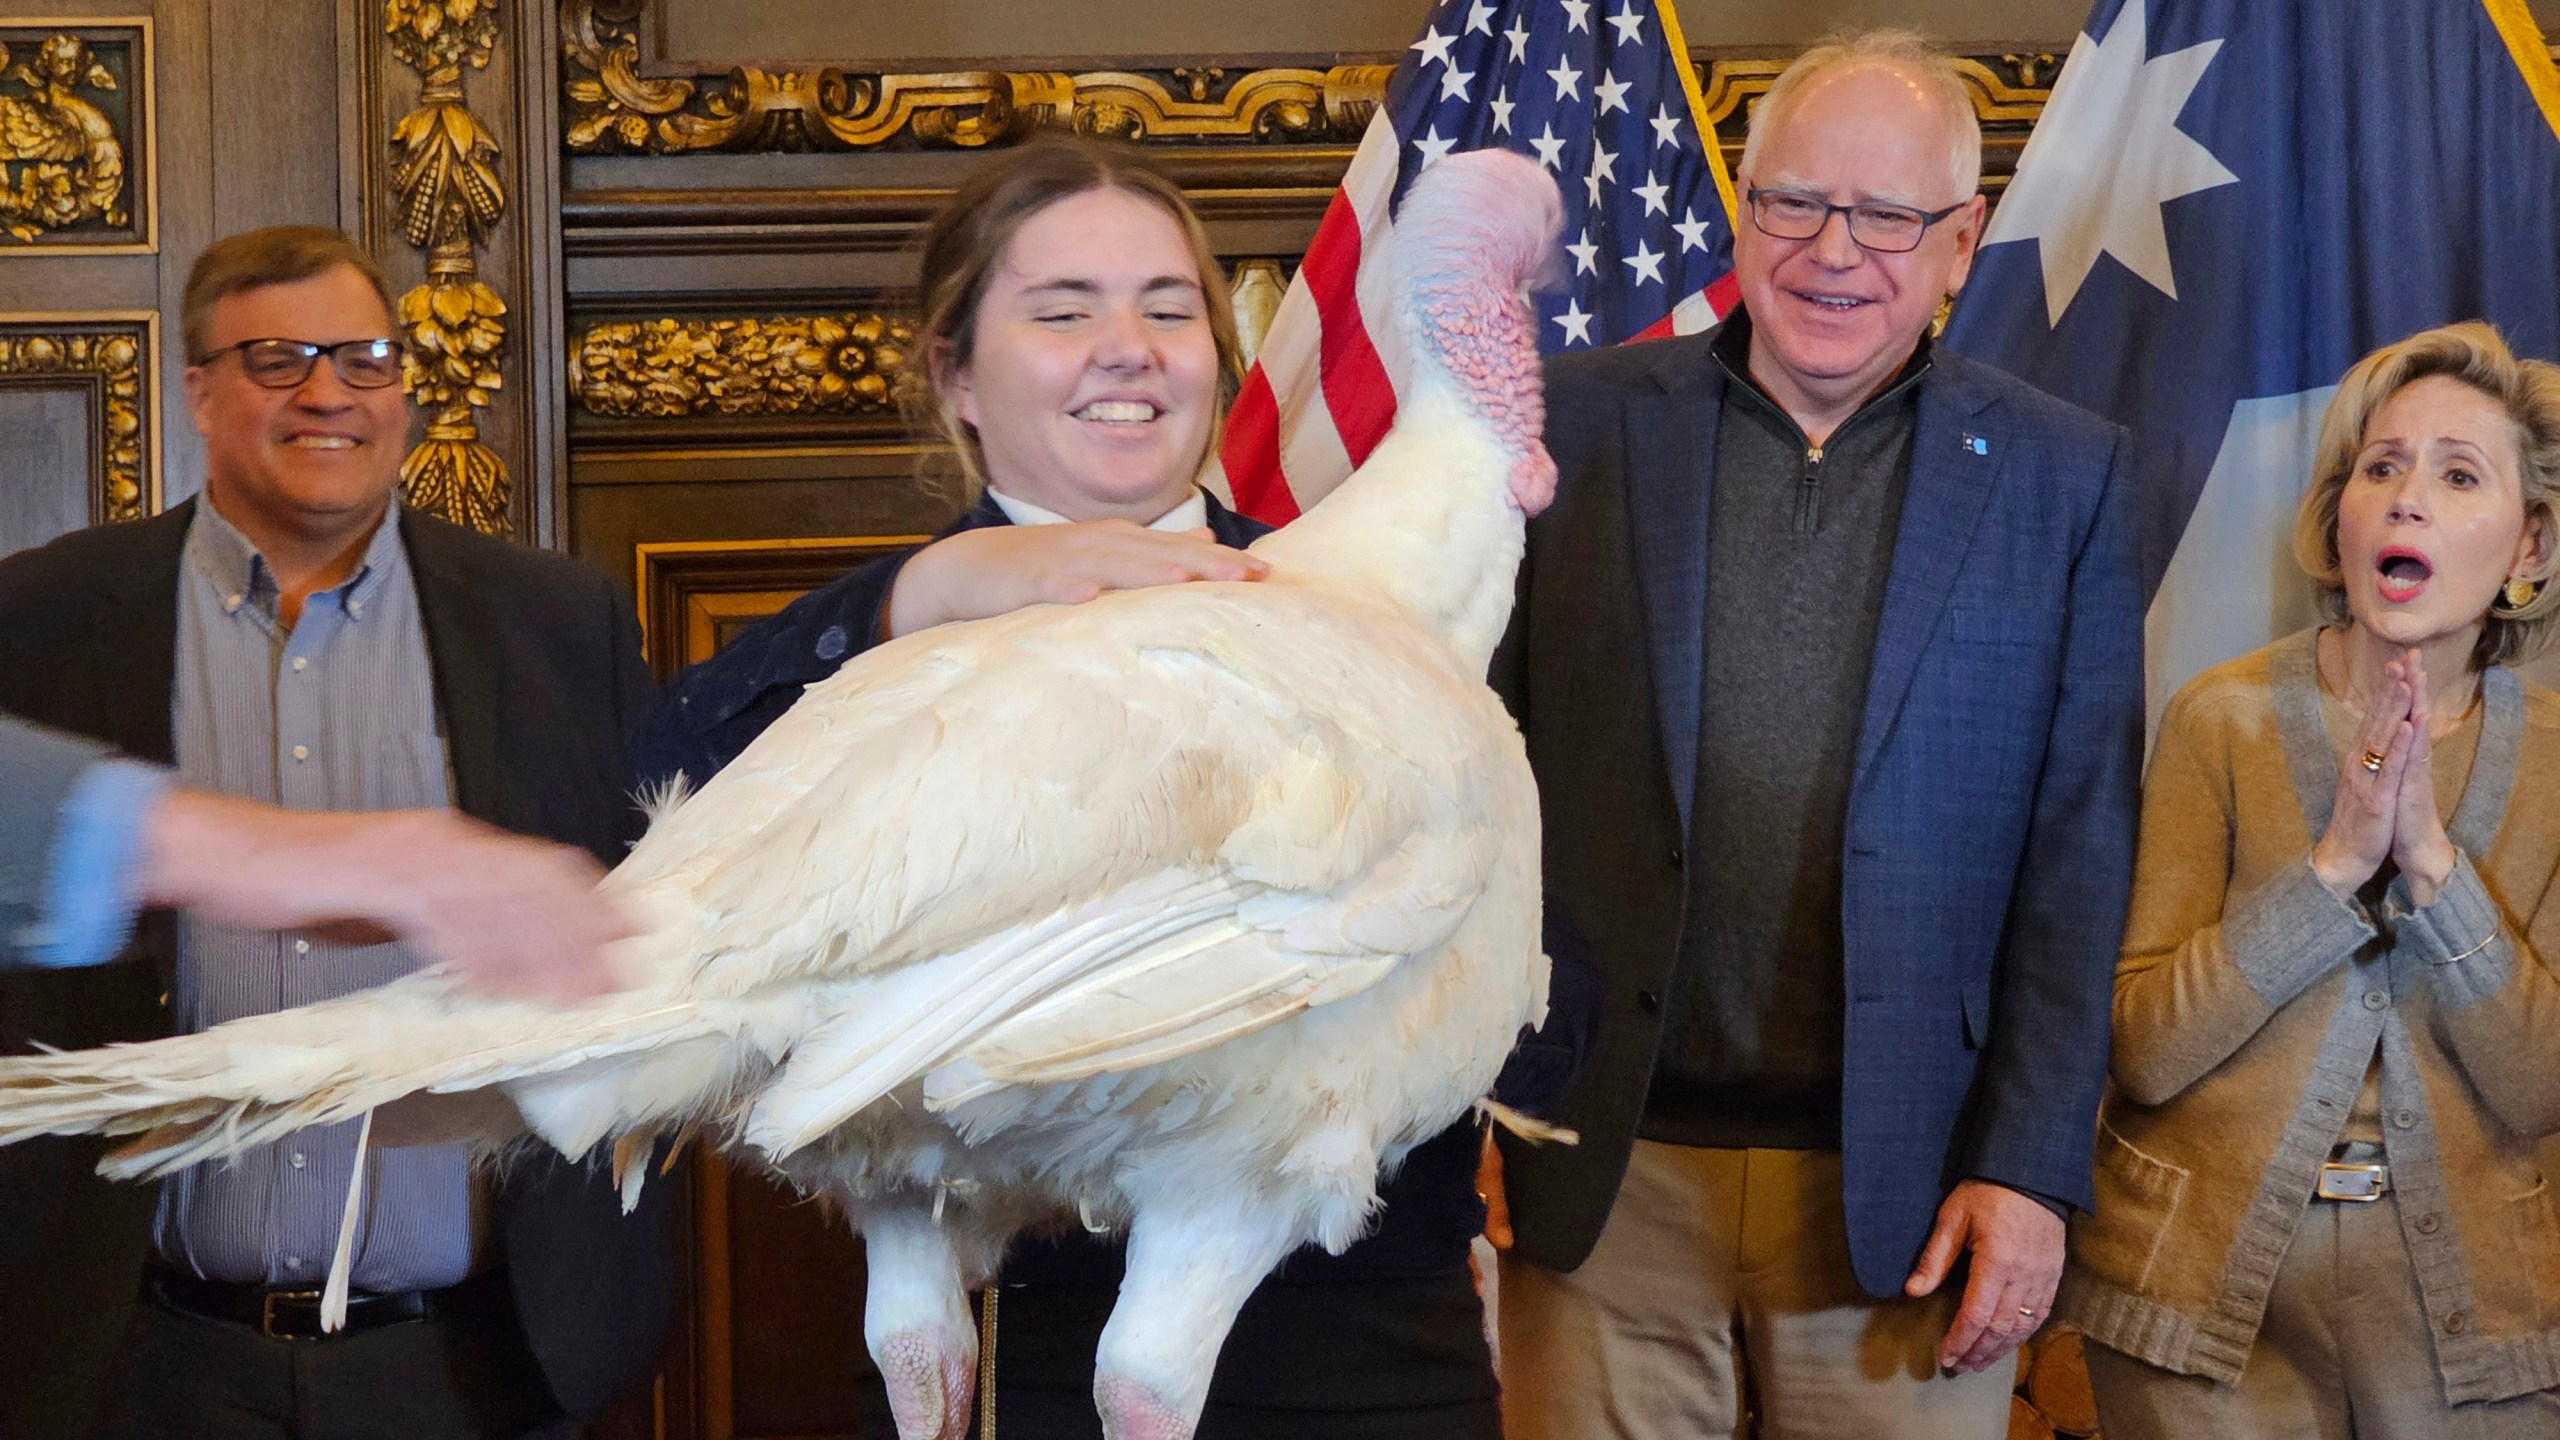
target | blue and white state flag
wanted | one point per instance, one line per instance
(2226, 203)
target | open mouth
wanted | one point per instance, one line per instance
(2404, 573)
(1118, 412)
(321, 442)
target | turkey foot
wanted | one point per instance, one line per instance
(1130, 1411)
(930, 1374)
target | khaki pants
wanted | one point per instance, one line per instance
(1718, 1263)
(2343, 1354)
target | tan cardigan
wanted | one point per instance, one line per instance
(2250, 1003)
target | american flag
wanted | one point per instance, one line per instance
(1599, 91)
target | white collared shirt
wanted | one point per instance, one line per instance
(1191, 514)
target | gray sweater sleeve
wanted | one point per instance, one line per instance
(2501, 1005)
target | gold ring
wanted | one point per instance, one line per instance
(2373, 762)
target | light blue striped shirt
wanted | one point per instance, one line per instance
(338, 713)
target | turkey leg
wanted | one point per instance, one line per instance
(915, 1318)
(1190, 1270)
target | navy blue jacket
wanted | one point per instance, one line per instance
(1991, 816)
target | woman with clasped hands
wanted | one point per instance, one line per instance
(2337, 1039)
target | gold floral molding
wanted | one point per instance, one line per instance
(62, 164)
(610, 108)
(668, 368)
(108, 352)
(2002, 88)
(446, 180)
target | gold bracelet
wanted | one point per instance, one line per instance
(2467, 954)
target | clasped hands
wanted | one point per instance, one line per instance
(2388, 810)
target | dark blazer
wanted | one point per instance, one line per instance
(539, 685)
(1991, 817)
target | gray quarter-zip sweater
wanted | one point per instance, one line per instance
(1799, 540)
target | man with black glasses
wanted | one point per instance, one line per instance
(1829, 659)
(296, 636)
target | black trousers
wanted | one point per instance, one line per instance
(1399, 1358)
(463, 1375)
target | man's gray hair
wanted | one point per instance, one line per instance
(1883, 45)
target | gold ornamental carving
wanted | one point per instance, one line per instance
(610, 108)
(110, 356)
(672, 368)
(2003, 88)
(445, 177)
(61, 162)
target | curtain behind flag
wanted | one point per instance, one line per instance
(2225, 203)
(1600, 91)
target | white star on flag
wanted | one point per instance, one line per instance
(1454, 82)
(1502, 105)
(1479, 17)
(1434, 45)
(1584, 253)
(1577, 325)
(1693, 231)
(1432, 147)
(1577, 15)
(1666, 127)
(1550, 149)
(2105, 157)
(1646, 264)
(1654, 191)
(1613, 93)
(1518, 35)
(1604, 166)
(1568, 80)
(1630, 24)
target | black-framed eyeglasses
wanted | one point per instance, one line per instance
(1886, 229)
(285, 364)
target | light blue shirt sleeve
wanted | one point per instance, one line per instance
(91, 889)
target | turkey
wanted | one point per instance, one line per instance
(1182, 912)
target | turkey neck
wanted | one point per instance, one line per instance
(1427, 523)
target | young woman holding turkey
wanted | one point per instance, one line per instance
(1078, 355)
(2337, 1030)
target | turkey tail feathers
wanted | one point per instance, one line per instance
(201, 1097)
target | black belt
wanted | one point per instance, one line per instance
(295, 1314)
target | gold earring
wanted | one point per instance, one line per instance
(2519, 592)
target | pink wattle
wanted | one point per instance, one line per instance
(1472, 235)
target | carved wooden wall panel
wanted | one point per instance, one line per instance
(79, 421)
